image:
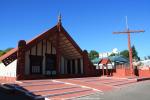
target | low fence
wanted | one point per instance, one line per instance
(144, 71)
(122, 66)
(4, 79)
(122, 71)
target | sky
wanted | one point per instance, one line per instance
(89, 22)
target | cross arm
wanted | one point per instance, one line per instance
(136, 31)
(129, 31)
(124, 32)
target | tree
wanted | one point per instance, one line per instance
(145, 58)
(2, 52)
(113, 54)
(8, 49)
(93, 54)
(148, 57)
(125, 53)
(134, 53)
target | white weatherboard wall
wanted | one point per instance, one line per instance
(8, 71)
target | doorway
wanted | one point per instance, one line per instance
(136, 71)
(36, 64)
(50, 63)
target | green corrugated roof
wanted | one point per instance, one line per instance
(96, 60)
(113, 59)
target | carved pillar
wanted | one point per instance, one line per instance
(103, 70)
(106, 69)
(86, 63)
(57, 62)
(21, 60)
(58, 56)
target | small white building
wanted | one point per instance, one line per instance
(107, 54)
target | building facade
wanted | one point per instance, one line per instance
(52, 54)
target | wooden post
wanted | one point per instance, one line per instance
(106, 69)
(57, 45)
(86, 63)
(57, 54)
(129, 43)
(103, 70)
(21, 60)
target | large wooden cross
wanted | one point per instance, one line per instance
(127, 31)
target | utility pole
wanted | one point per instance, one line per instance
(127, 31)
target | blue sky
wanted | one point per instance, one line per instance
(89, 22)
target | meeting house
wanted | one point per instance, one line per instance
(51, 54)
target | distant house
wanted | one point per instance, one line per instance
(146, 62)
(115, 60)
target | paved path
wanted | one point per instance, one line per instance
(102, 84)
(137, 91)
(52, 89)
(72, 88)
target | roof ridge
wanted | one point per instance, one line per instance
(39, 38)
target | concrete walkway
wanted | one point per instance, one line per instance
(137, 91)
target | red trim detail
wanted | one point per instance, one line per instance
(8, 54)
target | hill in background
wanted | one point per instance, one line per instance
(2, 52)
